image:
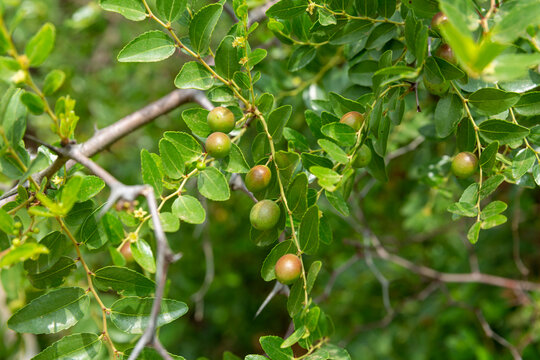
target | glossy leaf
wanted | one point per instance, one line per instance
(189, 209)
(124, 281)
(213, 185)
(308, 234)
(40, 45)
(54, 276)
(171, 10)
(193, 75)
(151, 46)
(72, 347)
(202, 26)
(130, 9)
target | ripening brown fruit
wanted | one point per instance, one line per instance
(264, 215)
(258, 178)
(437, 20)
(218, 145)
(464, 164)
(362, 157)
(288, 268)
(221, 119)
(445, 52)
(353, 118)
(125, 250)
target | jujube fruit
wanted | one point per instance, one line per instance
(258, 178)
(438, 89)
(288, 268)
(221, 119)
(362, 157)
(264, 215)
(353, 118)
(218, 145)
(445, 52)
(464, 164)
(438, 19)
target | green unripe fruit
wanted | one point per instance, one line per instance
(436, 89)
(464, 164)
(221, 119)
(445, 52)
(264, 215)
(16, 242)
(17, 225)
(437, 20)
(36, 230)
(353, 118)
(362, 157)
(288, 268)
(258, 178)
(201, 165)
(218, 145)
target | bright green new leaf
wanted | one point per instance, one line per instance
(151, 46)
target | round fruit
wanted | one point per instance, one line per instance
(438, 19)
(436, 89)
(353, 118)
(221, 119)
(464, 164)
(288, 269)
(218, 145)
(363, 157)
(264, 215)
(125, 250)
(201, 165)
(258, 178)
(445, 52)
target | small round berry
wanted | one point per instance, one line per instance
(201, 165)
(36, 230)
(445, 52)
(353, 118)
(438, 19)
(218, 145)
(288, 268)
(16, 242)
(258, 178)
(125, 250)
(264, 215)
(17, 225)
(436, 89)
(362, 157)
(464, 164)
(221, 119)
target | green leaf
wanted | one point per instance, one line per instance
(151, 46)
(57, 244)
(336, 199)
(189, 148)
(287, 9)
(277, 120)
(297, 194)
(169, 222)
(189, 209)
(40, 45)
(523, 162)
(326, 17)
(308, 234)
(386, 8)
(528, 104)
(536, 174)
(54, 276)
(268, 268)
(33, 102)
(76, 346)
(6, 222)
(503, 131)
(341, 133)
(132, 314)
(124, 281)
(493, 221)
(328, 178)
(91, 186)
(150, 354)
(213, 185)
(492, 101)
(493, 208)
(293, 338)
(227, 58)
(272, 346)
(143, 255)
(194, 75)
(50, 313)
(21, 253)
(130, 9)
(301, 57)
(334, 151)
(221, 94)
(335, 352)
(507, 67)
(448, 113)
(173, 163)
(92, 232)
(514, 19)
(488, 156)
(255, 57)
(14, 117)
(490, 185)
(312, 275)
(463, 209)
(150, 172)
(465, 136)
(202, 26)
(195, 119)
(235, 161)
(171, 10)
(461, 14)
